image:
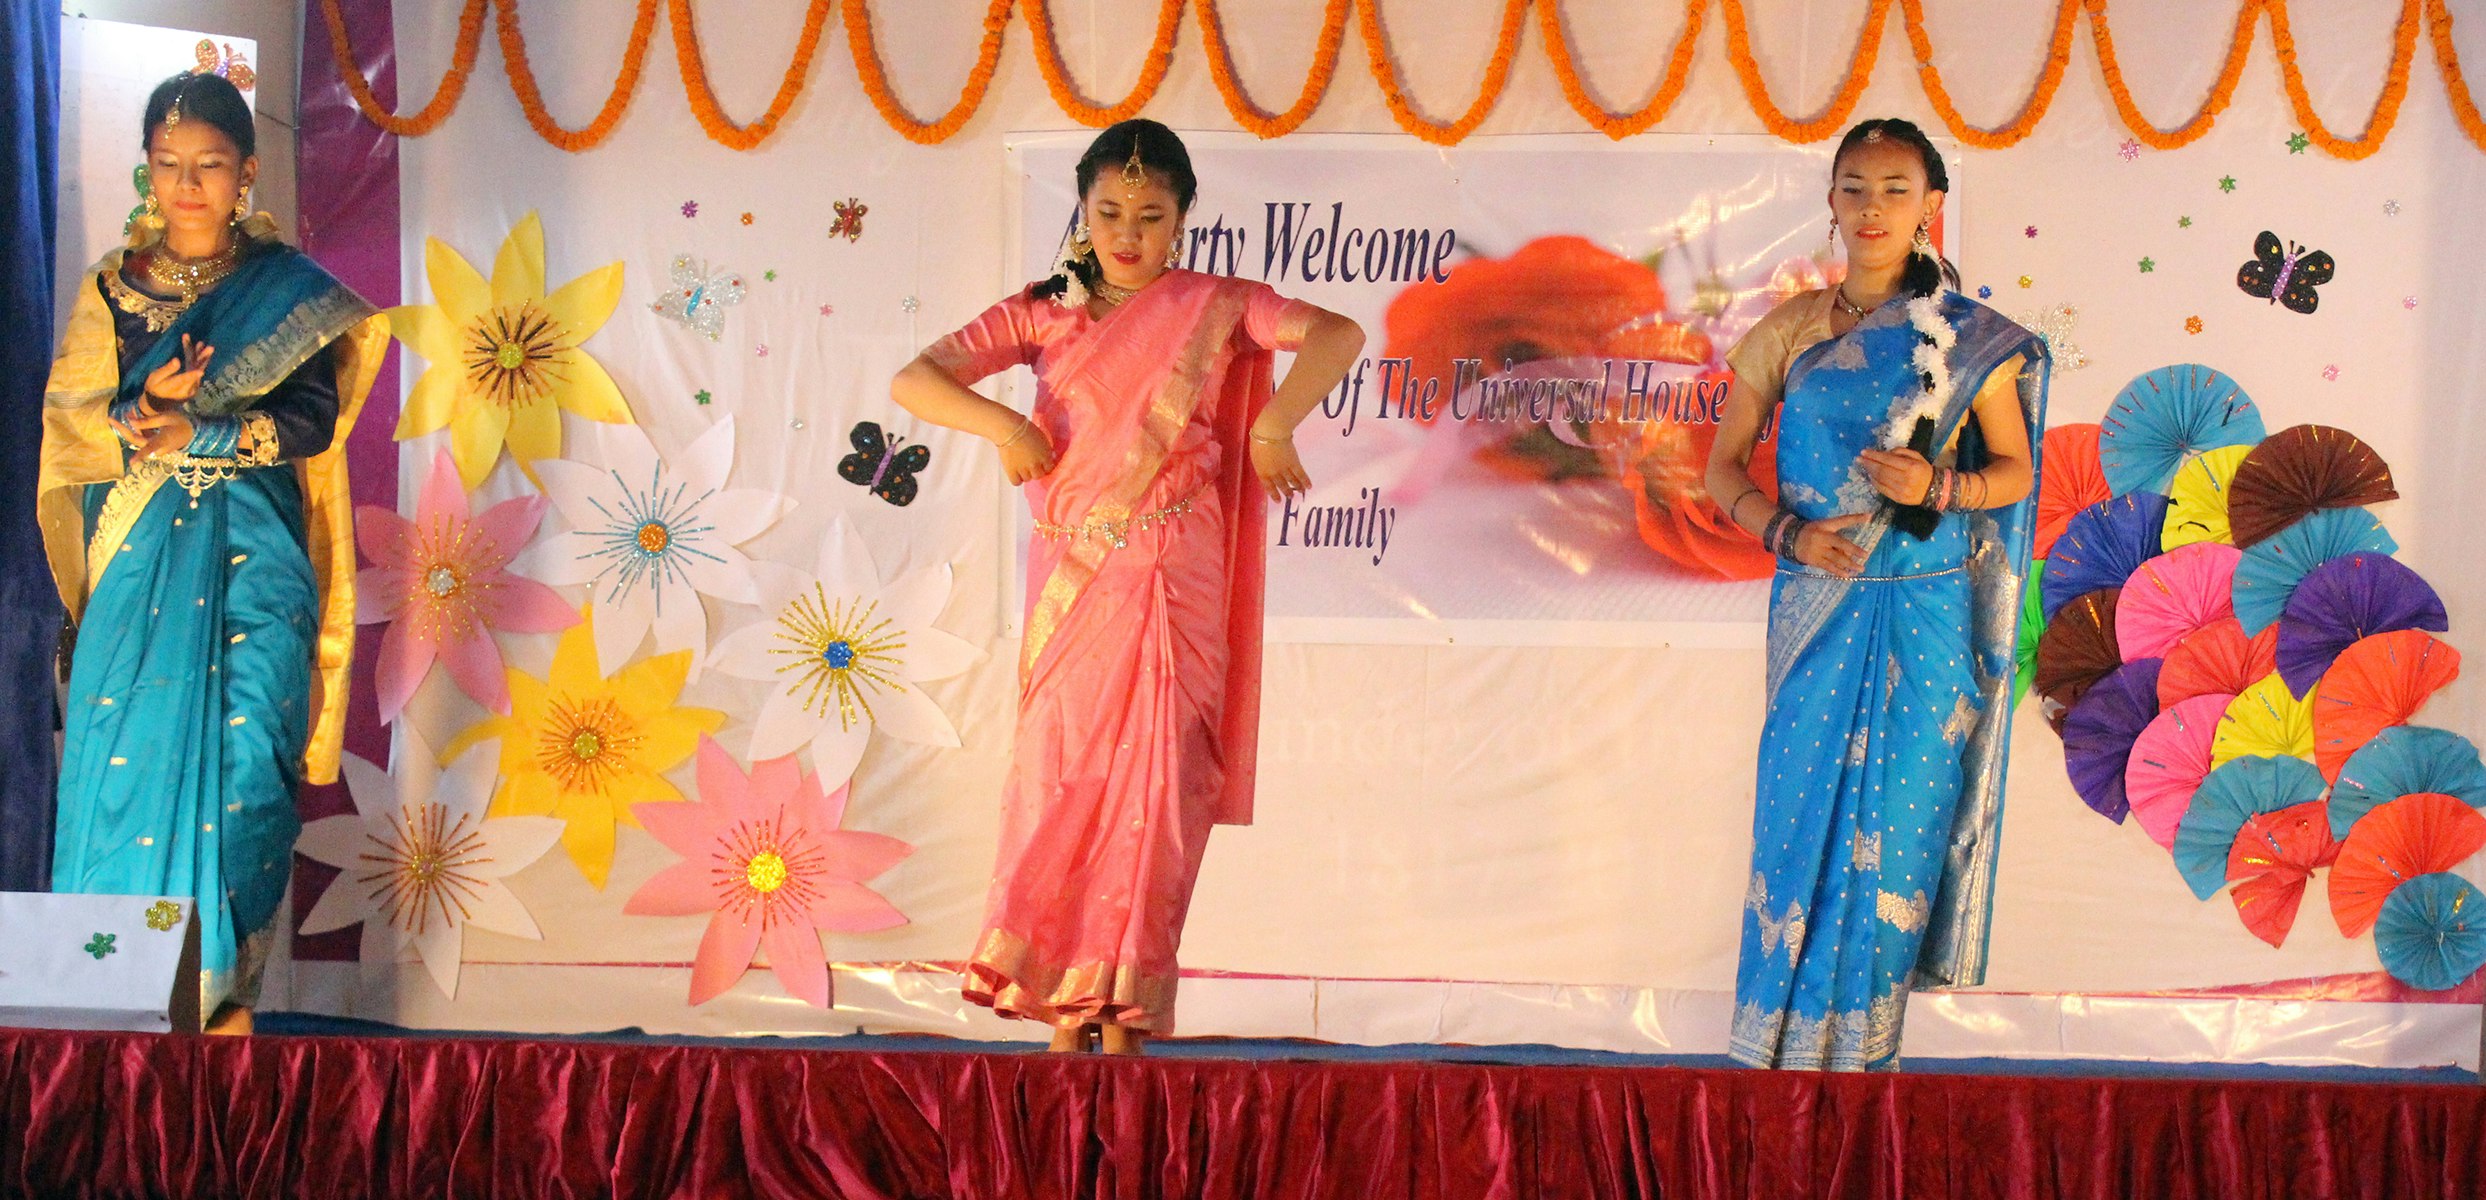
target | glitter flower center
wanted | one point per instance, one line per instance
(511, 354)
(766, 872)
(654, 537)
(423, 867)
(442, 582)
(585, 745)
(844, 652)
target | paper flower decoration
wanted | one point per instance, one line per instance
(845, 654)
(651, 535)
(762, 852)
(505, 356)
(584, 748)
(442, 583)
(419, 868)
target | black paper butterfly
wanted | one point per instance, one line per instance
(879, 466)
(2285, 276)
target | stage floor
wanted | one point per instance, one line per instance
(318, 1107)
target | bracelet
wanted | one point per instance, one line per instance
(1738, 503)
(1020, 432)
(1279, 440)
(1933, 488)
(1791, 535)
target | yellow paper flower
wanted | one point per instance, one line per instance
(584, 748)
(505, 356)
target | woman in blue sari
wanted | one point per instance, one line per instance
(195, 515)
(1906, 469)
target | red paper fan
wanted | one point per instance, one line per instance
(2418, 833)
(2216, 659)
(2069, 479)
(2300, 469)
(2076, 650)
(2275, 853)
(2374, 684)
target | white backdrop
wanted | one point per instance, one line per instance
(1523, 842)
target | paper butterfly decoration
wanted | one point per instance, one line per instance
(232, 64)
(849, 222)
(2285, 276)
(880, 467)
(699, 296)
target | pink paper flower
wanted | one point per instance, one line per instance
(762, 852)
(442, 583)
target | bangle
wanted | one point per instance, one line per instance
(1789, 534)
(1738, 503)
(1016, 434)
(1279, 440)
(1933, 488)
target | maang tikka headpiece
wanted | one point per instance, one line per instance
(1134, 172)
(1873, 135)
(172, 116)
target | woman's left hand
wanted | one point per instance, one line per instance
(1279, 467)
(1900, 475)
(154, 433)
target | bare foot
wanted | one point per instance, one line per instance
(230, 1021)
(1077, 1039)
(1122, 1039)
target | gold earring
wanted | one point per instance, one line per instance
(1174, 252)
(241, 207)
(154, 208)
(1924, 243)
(1080, 246)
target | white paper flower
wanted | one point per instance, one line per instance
(651, 535)
(845, 654)
(418, 871)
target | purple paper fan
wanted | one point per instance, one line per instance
(2101, 547)
(2098, 735)
(2346, 598)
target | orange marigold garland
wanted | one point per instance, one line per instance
(1258, 123)
(2434, 15)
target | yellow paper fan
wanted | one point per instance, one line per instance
(2265, 719)
(2197, 500)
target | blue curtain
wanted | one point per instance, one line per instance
(30, 611)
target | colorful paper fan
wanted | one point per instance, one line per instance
(2165, 417)
(2230, 795)
(2077, 649)
(2401, 760)
(2216, 659)
(2099, 732)
(2299, 470)
(2104, 544)
(2032, 627)
(2265, 718)
(2273, 856)
(2197, 500)
(2431, 933)
(2379, 682)
(2172, 596)
(2168, 762)
(2270, 570)
(2350, 597)
(2069, 480)
(2415, 835)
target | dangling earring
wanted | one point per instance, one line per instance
(1832, 237)
(1080, 246)
(1174, 252)
(241, 207)
(1924, 243)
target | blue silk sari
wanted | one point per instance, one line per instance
(200, 610)
(1881, 764)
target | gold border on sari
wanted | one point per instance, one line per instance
(1005, 976)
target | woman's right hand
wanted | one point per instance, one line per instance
(1026, 454)
(1823, 545)
(174, 383)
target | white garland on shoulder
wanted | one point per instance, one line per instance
(1933, 365)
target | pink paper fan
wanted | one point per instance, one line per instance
(2174, 594)
(2169, 759)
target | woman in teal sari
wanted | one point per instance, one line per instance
(194, 511)
(1906, 469)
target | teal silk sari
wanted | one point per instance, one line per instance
(190, 692)
(1879, 796)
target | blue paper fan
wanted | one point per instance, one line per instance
(2240, 789)
(2431, 933)
(2102, 546)
(2404, 759)
(2162, 419)
(2271, 568)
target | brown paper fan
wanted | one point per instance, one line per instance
(2300, 469)
(2077, 649)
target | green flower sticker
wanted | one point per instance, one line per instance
(101, 945)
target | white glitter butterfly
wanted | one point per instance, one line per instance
(699, 296)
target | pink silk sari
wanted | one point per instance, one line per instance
(1139, 679)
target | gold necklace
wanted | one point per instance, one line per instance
(190, 276)
(1850, 307)
(1113, 294)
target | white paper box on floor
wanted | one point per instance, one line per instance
(99, 962)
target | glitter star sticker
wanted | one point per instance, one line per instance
(2296, 143)
(702, 396)
(690, 208)
(2226, 183)
(2025, 281)
(2331, 372)
(2183, 222)
(2148, 264)
(2390, 208)
(2130, 150)
(2031, 231)
(828, 310)
(2192, 324)
(770, 276)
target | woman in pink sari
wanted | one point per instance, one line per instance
(1155, 433)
